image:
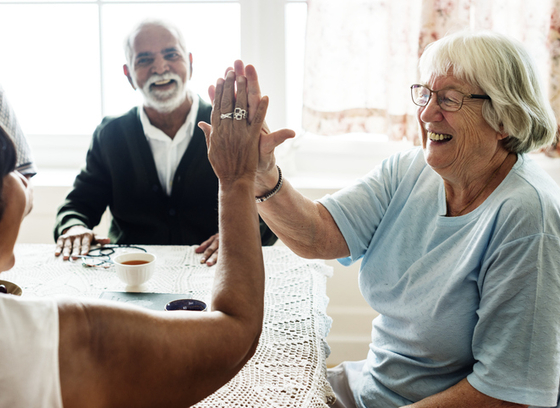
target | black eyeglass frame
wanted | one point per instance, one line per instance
(471, 96)
(101, 256)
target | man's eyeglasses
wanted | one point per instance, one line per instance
(101, 256)
(449, 100)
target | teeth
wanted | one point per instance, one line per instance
(163, 82)
(438, 136)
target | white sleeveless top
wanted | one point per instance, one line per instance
(29, 375)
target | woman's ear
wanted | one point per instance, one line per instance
(501, 134)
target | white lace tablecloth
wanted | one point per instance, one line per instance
(289, 366)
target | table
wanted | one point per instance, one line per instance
(289, 365)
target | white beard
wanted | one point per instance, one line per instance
(164, 101)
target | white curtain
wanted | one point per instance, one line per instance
(361, 55)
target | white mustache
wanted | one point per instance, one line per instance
(167, 76)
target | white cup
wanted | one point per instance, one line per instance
(135, 269)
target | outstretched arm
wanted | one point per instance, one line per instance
(123, 356)
(304, 226)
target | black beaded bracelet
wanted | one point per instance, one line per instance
(274, 190)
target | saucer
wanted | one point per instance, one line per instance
(12, 288)
(186, 304)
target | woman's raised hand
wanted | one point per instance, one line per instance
(267, 175)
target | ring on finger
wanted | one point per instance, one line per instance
(239, 114)
(226, 115)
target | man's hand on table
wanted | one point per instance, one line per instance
(209, 248)
(77, 240)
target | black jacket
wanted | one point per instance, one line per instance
(120, 172)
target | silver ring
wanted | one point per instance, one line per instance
(226, 115)
(240, 114)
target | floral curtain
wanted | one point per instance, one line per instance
(361, 55)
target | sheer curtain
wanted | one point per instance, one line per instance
(361, 55)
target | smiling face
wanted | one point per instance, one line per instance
(457, 144)
(160, 68)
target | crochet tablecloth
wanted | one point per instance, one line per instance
(289, 366)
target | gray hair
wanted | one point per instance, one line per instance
(128, 49)
(503, 69)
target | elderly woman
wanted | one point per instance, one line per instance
(82, 353)
(459, 239)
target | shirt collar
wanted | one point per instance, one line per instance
(186, 130)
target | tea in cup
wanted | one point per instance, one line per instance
(135, 269)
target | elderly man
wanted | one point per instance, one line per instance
(150, 165)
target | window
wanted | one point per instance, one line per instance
(62, 61)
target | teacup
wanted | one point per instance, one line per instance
(135, 269)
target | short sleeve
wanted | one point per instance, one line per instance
(359, 208)
(516, 341)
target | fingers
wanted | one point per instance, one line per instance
(239, 68)
(228, 95)
(67, 249)
(260, 114)
(85, 245)
(216, 112)
(270, 141)
(279, 137)
(211, 93)
(202, 247)
(253, 90)
(77, 247)
(267, 144)
(210, 250)
(241, 100)
(76, 241)
(207, 129)
(213, 259)
(59, 246)
(101, 241)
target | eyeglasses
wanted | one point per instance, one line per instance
(101, 257)
(449, 100)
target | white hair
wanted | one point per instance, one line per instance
(503, 69)
(128, 42)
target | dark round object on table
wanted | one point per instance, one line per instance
(186, 304)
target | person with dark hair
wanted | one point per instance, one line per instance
(24, 163)
(8, 163)
(150, 165)
(83, 353)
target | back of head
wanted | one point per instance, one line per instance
(503, 69)
(129, 40)
(7, 163)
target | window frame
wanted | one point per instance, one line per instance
(262, 33)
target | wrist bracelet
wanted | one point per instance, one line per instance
(274, 190)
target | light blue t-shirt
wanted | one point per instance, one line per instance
(474, 296)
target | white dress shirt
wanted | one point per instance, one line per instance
(168, 152)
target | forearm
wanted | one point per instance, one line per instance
(463, 395)
(184, 355)
(83, 207)
(239, 280)
(305, 226)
